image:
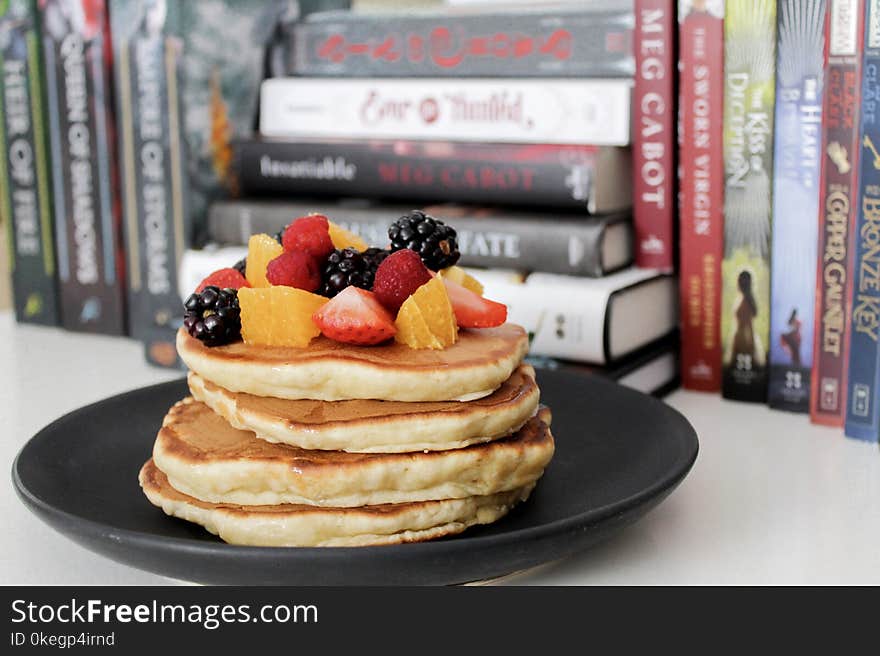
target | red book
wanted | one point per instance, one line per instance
(653, 133)
(837, 210)
(701, 194)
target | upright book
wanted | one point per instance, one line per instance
(862, 416)
(654, 117)
(25, 195)
(797, 155)
(569, 40)
(88, 239)
(837, 187)
(518, 110)
(749, 76)
(555, 242)
(701, 196)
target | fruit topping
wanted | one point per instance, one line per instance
(262, 249)
(309, 234)
(345, 268)
(224, 278)
(212, 315)
(398, 277)
(426, 319)
(355, 316)
(463, 278)
(342, 238)
(294, 269)
(279, 316)
(433, 240)
(472, 310)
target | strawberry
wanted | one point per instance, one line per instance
(398, 277)
(224, 279)
(472, 310)
(355, 316)
(294, 269)
(310, 234)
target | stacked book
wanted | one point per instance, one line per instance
(513, 126)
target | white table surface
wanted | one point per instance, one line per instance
(771, 499)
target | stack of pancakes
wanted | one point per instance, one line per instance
(338, 445)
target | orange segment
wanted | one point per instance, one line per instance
(342, 238)
(463, 278)
(426, 319)
(279, 316)
(262, 249)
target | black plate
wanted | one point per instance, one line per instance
(618, 454)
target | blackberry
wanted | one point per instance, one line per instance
(241, 266)
(348, 267)
(375, 256)
(279, 236)
(433, 240)
(213, 316)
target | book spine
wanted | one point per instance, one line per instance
(580, 177)
(587, 112)
(799, 87)
(87, 220)
(749, 62)
(485, 238)
(153, 182)
(515, 44)
(25, 197)
(862, 417)
(701, 85)
(840, 124)
(653, 133)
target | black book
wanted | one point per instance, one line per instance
(552, 241)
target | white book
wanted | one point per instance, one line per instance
(549, 111)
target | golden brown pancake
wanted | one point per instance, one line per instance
(326, 370)
(370, 426)
(206, 458)
(310, 526)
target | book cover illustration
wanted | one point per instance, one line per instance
(838, 182)
(25, 180)
(798, 148)
(77, 56)
(862, 417)
(701, 185)
(750, 62)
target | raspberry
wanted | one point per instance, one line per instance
(310, 234)
(229, 278)
(432, 239)
(294, 269)
(398, 277)
(213, 316)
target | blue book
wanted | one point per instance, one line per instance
(797, 158)
(862, 383)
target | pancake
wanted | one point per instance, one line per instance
(308, 526)
(206, 458)
(330, 371)
(369, 426)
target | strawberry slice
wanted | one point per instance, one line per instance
(355, 316)
(224, 278)
(472, 310)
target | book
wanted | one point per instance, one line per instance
(25, 178)
(555, 242)
(862, 417)
(571, 40)
(88, 231)
(749, 85)
(797, 155)
(592, 320)
(701, 191)
(654, 119)
(837, 199)
(592, 112)
(653, 369)
(598, 179)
